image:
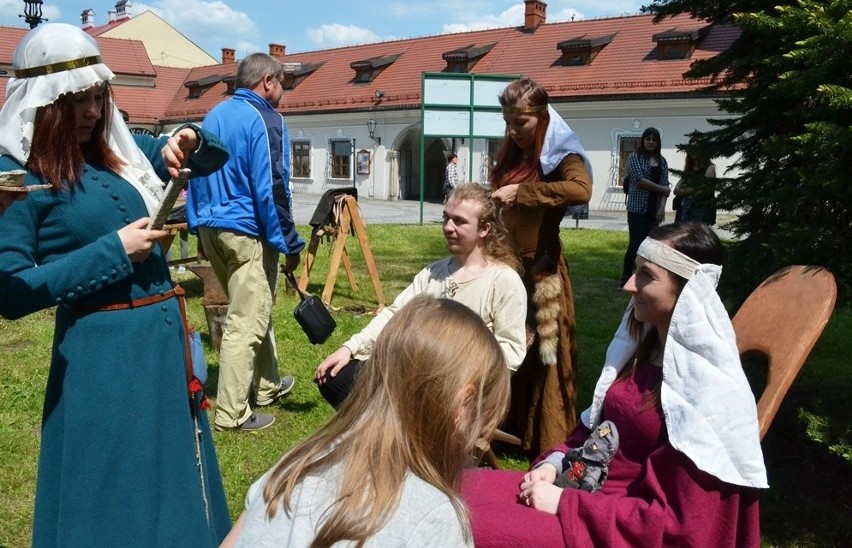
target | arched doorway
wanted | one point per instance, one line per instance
(408, 164)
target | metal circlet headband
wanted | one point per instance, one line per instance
(525, 110)
(58, 67)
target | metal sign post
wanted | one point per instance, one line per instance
(463, 106)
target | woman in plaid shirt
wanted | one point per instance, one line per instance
(648, 184)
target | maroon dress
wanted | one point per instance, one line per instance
(654, 495)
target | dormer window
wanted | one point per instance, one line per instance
(231, 82)
(294, 73)
(198, 87)
(369, 69)
(582, 50)
(678, 43)
(462, 60)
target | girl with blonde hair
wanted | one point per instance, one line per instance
(385, 471)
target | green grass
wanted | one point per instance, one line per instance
(807, 449)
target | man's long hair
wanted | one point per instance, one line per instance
(498, 245)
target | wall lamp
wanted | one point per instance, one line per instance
(32, 13)
(371, 129)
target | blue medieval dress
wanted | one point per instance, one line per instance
(124, 461)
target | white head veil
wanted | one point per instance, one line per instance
(560, 141)
(709, 409)
(52, 60)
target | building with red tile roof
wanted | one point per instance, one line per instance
(165, 45)
(610, 78)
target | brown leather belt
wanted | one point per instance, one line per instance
(176, 291)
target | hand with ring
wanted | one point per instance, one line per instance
(541, 495)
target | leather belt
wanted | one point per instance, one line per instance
(176, 291)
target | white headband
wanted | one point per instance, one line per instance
(667, 257)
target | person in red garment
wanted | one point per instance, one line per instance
(689, 464)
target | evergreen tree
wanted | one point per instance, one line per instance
(787, 81)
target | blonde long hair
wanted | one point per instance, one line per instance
(403, 417)
(498, 245)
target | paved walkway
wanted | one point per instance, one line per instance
(408, 212)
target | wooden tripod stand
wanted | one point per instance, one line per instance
(347, 217)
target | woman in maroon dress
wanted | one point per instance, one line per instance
(689, 462)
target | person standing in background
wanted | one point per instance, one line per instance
(541, 169)
(648, 188)
(695, 188)
(243, 217)
(451, 175)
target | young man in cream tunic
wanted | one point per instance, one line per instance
(481, 273)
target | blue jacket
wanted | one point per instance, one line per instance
(251, 193)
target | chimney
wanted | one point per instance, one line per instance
(228, 56)
(87, 18)
(110, 16)
(121, 12)
(277, 51)
(535, 14)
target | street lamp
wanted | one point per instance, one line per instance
(371, 129)
(32, 13)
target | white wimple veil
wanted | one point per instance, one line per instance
(709, 409)
(52, 60)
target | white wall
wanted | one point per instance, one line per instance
(596, 123)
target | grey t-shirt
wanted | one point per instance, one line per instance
(425, 516)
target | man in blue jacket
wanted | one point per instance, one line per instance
(243, 219)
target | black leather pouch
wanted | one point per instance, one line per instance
(312, 315)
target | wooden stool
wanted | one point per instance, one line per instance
(215, 302)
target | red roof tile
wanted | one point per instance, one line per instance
(122, 56)
(627, 67)
(97, 31)
(147, 105)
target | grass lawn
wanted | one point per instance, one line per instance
(807, 449)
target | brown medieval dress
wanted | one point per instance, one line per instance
(545, 386)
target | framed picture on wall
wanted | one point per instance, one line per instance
(363, 162)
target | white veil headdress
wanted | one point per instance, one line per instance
(560, 141)
(52, 60)
(709, 408)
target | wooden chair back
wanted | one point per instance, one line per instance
(781, 321)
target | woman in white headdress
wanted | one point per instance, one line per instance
(540, 170)
(689, 462)
(126, 454)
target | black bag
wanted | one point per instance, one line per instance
(312, 315)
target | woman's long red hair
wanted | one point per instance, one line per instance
(55, 155)
(512, 166)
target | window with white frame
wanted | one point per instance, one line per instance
(626, 144)
(301, 159)
(340, 158)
